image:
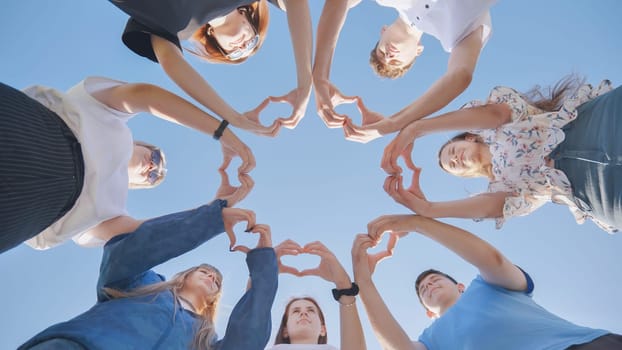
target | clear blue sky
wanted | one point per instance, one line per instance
(311, 184)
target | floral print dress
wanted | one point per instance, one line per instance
(520, 149)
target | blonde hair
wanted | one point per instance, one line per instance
(386, 70)
(205, 333)
(206, 47)
(483, 170)
(134, 185)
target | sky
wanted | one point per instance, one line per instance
(312, 184)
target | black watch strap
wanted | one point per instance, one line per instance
(352, 291)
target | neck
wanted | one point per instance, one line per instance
(411, 30)
(303, 340)
(486, 159)
(194, 302)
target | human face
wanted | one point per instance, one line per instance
(145, 166)
(397, 46)
(304, 325)
(438, 292)
(204, 282)
(236, 37)
(462, 158)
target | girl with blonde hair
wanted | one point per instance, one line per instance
(138, 309)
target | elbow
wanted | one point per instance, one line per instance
(501, 112)
(462, 77)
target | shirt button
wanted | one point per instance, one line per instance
(417, 18)
(427, 6)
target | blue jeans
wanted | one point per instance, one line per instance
(591, 157)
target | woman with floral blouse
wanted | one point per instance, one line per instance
(563, 148)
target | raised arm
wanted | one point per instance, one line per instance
(140, 97)
(299, 22)
(330, 269)
(492, 265)
(387, 330)
(188, 79)
(456, 79)
(485, 205)
(489, 116)
(327, 96)
(250, 321)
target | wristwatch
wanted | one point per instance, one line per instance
(352, 291)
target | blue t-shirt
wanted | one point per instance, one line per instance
(491, 317)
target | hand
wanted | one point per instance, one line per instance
(412, 197)
(329, 268)
(327, 97)
(232, 194)
(373, 125)
(232, 216)
(402, 145)
(231, 147)
(250, 121)
(287, 247)
(298, 99)
(398, 224)
(265, 239)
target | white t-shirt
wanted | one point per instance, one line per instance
(107, 147)
(302, 347)
(449, 21)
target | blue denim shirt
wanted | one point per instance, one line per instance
(153, 321)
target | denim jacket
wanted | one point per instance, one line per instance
(155, 321)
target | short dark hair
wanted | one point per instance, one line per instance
(425, 274)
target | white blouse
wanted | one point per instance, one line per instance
(107, 147)
(520, 149)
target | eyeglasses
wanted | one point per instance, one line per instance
(241, 52)
(238, 53)
(155, 174)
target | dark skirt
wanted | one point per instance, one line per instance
(42, 168)
(591, 157)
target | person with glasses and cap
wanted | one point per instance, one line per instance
(69, 158)
(219, 32)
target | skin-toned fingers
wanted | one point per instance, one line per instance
(240, 248)
(288, 247)
(288, 269)
(310, 272)
(226, 160)
(331, 118)
(407, 156)
(389, 159)
(265, 235)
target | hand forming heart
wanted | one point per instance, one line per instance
(233, 216)
(233, 194)
(373, 125)
(327, 98)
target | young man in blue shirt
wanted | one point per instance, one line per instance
(495, 312)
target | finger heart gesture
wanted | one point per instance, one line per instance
(233, 216)
(233, 194)
(252, 123)
(372, 125)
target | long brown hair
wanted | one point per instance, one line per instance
(205, 329)
(280, 339)
(551, 98)
(206, 46)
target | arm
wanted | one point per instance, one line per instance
(299, 22)
(492, 265)
(249, 324)
(139, 97)
(327, 96)
(387, 330)
(158, 240)
(485, 205)
(188, 79)
(330, 269)
(456, 79)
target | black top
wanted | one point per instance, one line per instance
(173, 20)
